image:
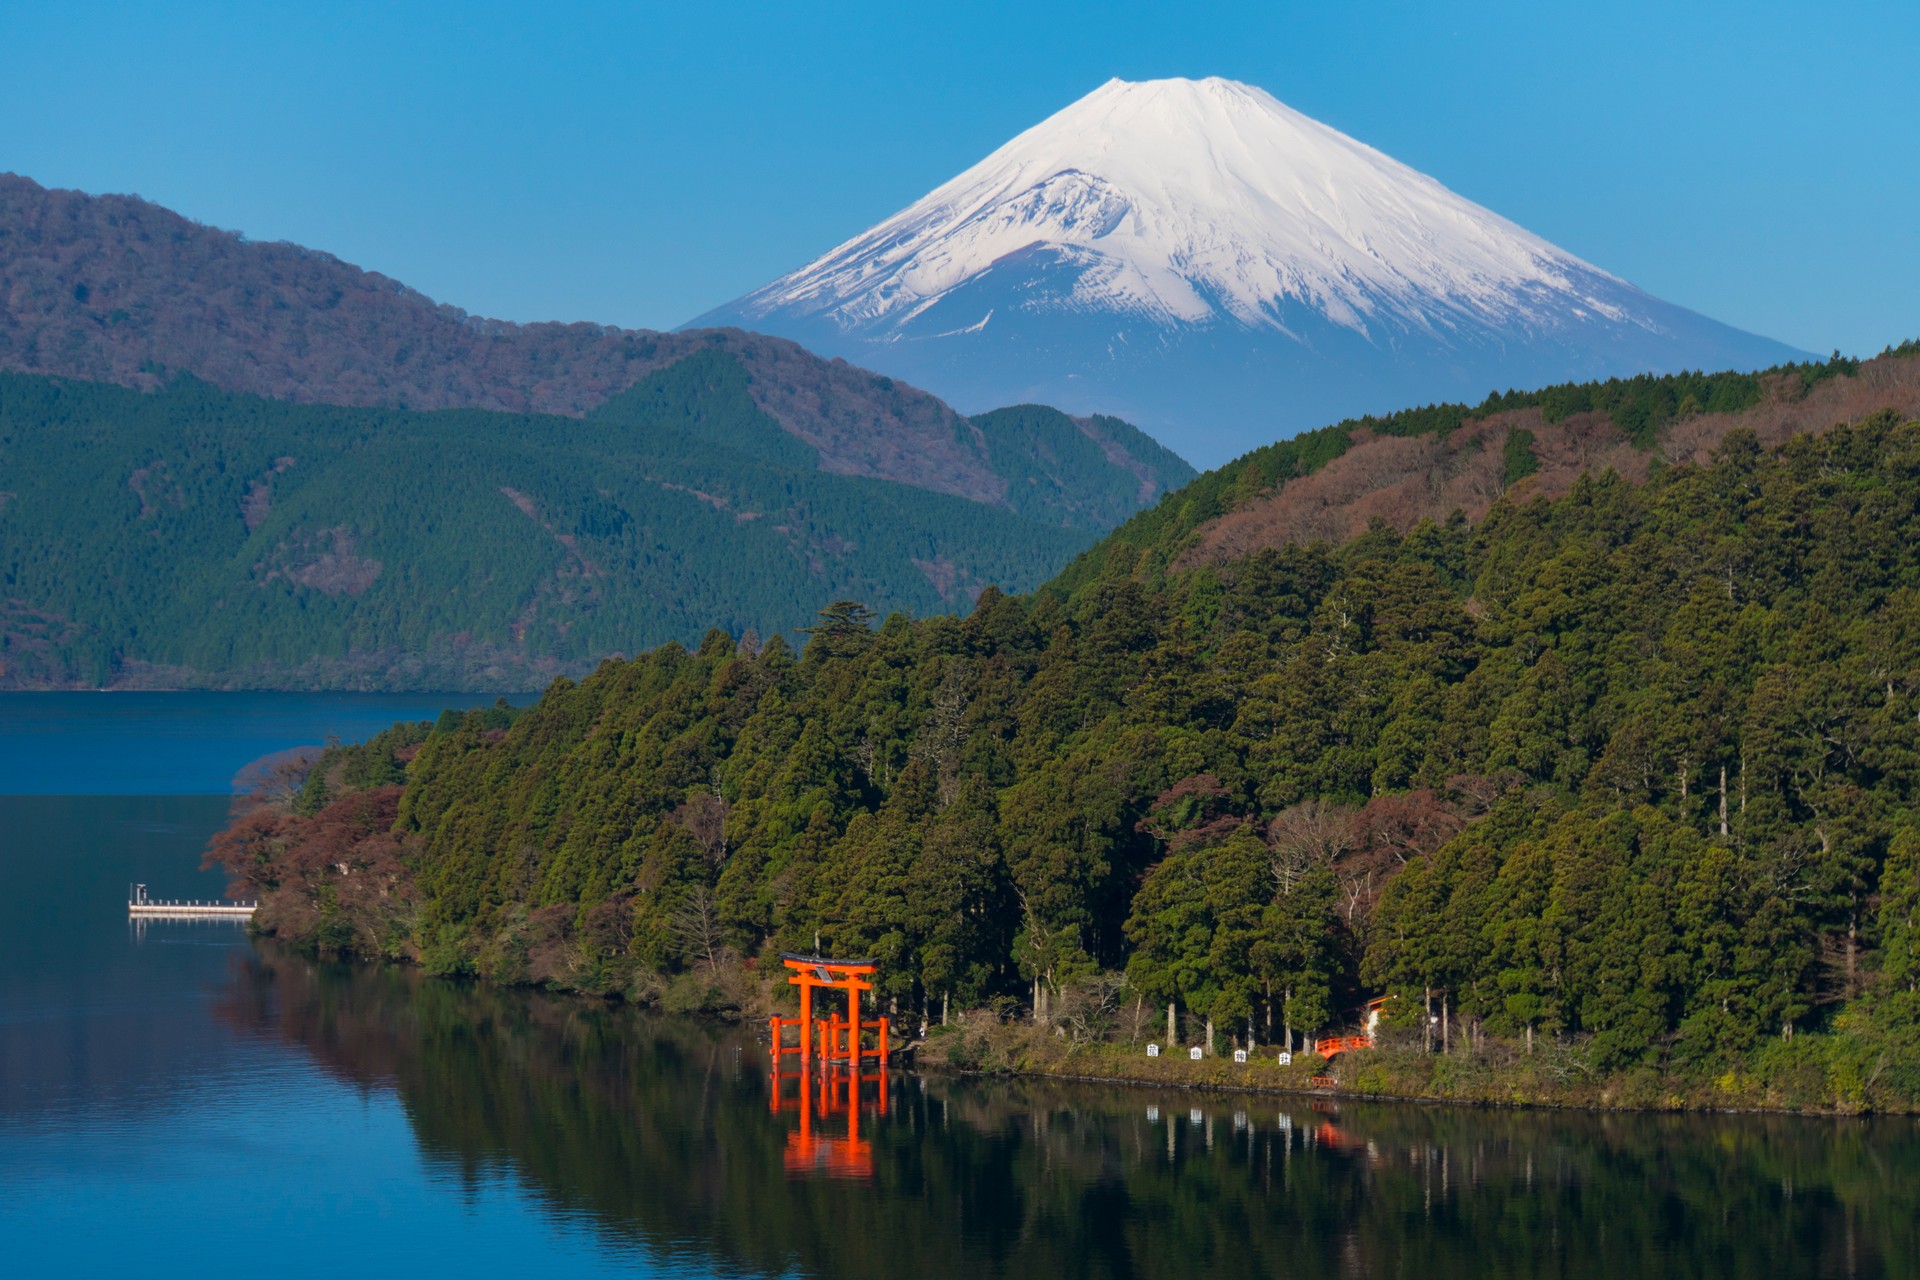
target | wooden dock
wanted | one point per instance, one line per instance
(141, 907)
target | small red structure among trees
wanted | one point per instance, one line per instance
(832, 1039)
(1334, 1045)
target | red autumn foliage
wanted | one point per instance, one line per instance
(339, 876)
(1406, 826)
(1402, 480)
(1192, 813)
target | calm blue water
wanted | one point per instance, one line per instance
(170, 744)
(139, 1128)
(178, 1101)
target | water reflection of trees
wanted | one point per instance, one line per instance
(658, 1130)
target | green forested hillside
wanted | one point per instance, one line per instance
(1642, 408)
(1633, 770)
(194, 536)
(1083, 473)
(1090, 472)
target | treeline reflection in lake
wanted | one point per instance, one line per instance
(657, 1132)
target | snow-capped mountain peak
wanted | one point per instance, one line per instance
(1190, 200)
(1202, 258)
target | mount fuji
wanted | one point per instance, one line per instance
(1199, 258)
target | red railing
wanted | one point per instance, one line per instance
(1334, 1045)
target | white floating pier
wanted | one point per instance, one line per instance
(140, 906)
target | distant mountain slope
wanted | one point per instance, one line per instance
(115, 289)
(1331, 484)
(1201, 259)
(1083, 473)
(196, 537)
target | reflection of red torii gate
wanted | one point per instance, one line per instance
(832, 1039)
(820, 1095)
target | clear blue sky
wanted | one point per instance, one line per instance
(638, 164)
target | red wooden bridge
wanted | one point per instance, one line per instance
(1334, 1046)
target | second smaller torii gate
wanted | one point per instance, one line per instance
(838, 1039)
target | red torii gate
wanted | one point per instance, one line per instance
(832, 1039)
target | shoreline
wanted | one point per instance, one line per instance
(1213, 1074)
(1389, 1074)
(1409, 1099)
(1496, 1075)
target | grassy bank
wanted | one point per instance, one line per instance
(1826, 1075)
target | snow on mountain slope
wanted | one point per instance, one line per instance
(1198, 200)
(1204, 259)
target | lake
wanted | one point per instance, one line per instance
(175, 1099)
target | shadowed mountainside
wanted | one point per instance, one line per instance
(191, 537)
(117, 289)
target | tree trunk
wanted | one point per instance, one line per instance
(944, 997)
(1723, 802)
(1446, 1027)
(1209, 1037)
(1173, 1027)
(1529, 1039)
(1287, 1013)
(1853, 950)
(1426, 1023)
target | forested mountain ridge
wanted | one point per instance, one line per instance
(117, 289)
(192, 537)
(1428, 463)
(1635, 769)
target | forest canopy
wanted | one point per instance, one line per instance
(1634, 768)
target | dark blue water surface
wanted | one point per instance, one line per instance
(170, 744)
(177, 1100)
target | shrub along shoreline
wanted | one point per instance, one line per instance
(1495, 1075)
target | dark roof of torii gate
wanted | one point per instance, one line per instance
(826, 963)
